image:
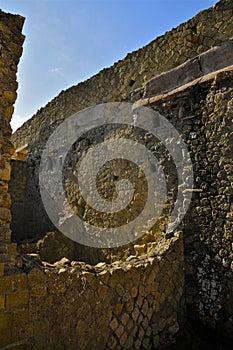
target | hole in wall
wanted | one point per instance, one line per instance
(132, 82)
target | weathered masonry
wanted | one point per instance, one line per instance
(121, 82)
(141, 295)
(201, 111)
(11, 49)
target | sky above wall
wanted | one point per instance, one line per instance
(68, 41)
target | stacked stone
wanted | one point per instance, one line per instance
(201, 110)
(11, 49)
(214, 210)
(133, 304)
(129, 75)
(122, 81)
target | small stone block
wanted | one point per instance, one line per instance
(13, 282)
(17, 298)
(2, 302)
(1, 269)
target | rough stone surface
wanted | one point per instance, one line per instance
(208, 232)
(132, 299)
(17, 190)
(83, 306)
(113, 84)
(11, 41)
(121, 82)
(210, 61)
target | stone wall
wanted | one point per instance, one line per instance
(17, 189)
(135, 304)
(121, 82)
(28, 215)
(116, 83)
(202, 112)
(11, 41)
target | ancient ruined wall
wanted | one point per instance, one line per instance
(117, 82)
(29, 216)
(202, 112)
(17, 189)
(212, 216)
(136, 304)
(11, 41)
(123, 81)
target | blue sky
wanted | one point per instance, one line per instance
(67, 41)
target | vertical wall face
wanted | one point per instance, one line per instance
(202, 114)
(212, 257)
(135, 304)
(117, 83)
(17, 187)
(206, 111)
(11, 41)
